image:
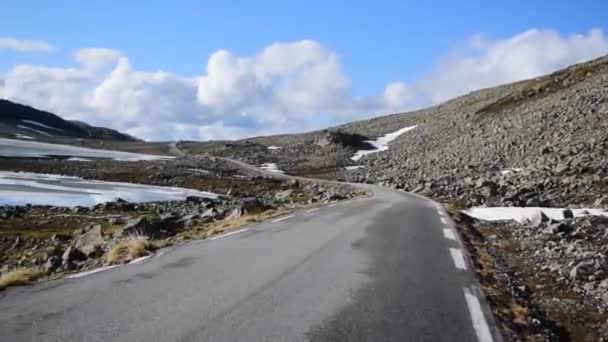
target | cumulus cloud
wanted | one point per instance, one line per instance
(484, 63)
(285, 87)
(96, 58)
(22, 45)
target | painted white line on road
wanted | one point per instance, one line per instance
(458, 258)
(282, 219)
(229, 234)
(477, 317)
(87, 273)
(312, 210)
(443, 220)
(449, 234)
(138, 260)
(333, 205)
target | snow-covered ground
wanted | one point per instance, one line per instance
(34, 149)
(36, 123)
(381, 144)
(272, 167)
(21, 136)
(513, 170)
(34, 130)
(274, 147)
(354, 167)
(526, 214)
(20, 188)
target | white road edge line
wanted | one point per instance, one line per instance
(229, 234)
(449, 234)
(458, 258)
(333, 205)
(282, 219)
(141, 259)
(312, 210)
(477, 317)
(87, 273)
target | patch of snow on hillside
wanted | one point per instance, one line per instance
(205, 172)
(354, 167)
(381, 144)
(526, 214)
(274, 147)
(41, 125)
(33, 149)
(272, 167)
(34, 130)
(21, 188)
(21, 136)
(512, 170)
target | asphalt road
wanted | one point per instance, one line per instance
(384, 268)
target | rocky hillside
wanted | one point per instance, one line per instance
(536, 142)
(540, 142)
(24, 122)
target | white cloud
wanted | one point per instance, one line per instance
(25, 45)
(484, 63)
(96, 58)
(285, 87)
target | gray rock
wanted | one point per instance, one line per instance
(91, 242)
(141, 226)
(281, 196)
(52, 264)
(582, 270)
(73, 254)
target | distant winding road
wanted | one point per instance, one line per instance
(385, 268)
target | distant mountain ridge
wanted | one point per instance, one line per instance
(21, 121)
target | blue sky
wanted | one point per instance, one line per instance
(375, 42)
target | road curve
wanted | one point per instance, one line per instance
(384, 268)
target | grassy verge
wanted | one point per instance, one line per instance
(22, 276)
(130, 248)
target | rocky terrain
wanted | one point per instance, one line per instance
(536, 143)
(45, 242)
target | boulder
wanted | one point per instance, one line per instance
(141, 226)
(281, 196)
(52, 264)
(91, 242)
(73, 254)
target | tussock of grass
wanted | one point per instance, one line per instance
(132, 247)
(226, 226)
(22, 276)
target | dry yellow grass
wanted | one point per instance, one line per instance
(20, 276)
(132, 247)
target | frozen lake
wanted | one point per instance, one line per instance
(32, 149)
(20, 188)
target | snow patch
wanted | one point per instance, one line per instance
(354, 167)
(274, 147)
(21, 188)
(31, 122)
(34, 130)
(271, 167)
(205, 172)
(21, 136)
(527, 214)
(381, 144)
(512, 170)
(33, 149)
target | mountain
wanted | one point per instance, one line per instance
(553, 130)
(17, 120)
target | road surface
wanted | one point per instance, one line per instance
(384, 268)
